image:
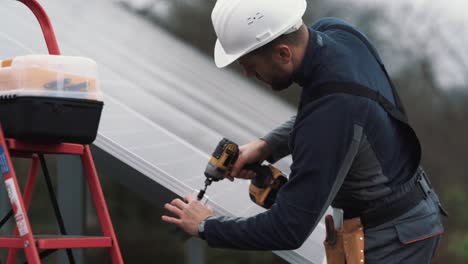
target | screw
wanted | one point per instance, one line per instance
(26, 244)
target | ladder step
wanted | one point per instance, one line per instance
(59, 242)
(62, 148)
(73, 242)
(11, 242)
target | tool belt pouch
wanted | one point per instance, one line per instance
(349, 245)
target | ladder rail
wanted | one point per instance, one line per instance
(16, 201)
(46, 26)
(27, 197)
(99, 203)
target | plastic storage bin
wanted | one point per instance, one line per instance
(50, 99)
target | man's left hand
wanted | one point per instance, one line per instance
(189, 214)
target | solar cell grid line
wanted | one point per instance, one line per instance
(138, 116)
(134, 138)
(181, 123)
(162, 116)
(190, 170)
(16, 44)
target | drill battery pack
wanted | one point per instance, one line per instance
(265, 185)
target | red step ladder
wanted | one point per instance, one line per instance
(24, 237)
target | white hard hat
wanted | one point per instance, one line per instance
(245, 25)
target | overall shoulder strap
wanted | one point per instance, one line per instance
(364, 40)
(358, 90)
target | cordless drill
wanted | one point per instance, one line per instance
(263, 187)
(220, 164)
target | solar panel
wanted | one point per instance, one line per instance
(166, 105)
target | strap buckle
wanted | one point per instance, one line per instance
(426, 187)
(424, 183)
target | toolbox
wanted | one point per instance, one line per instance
(50, 99)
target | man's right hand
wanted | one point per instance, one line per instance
(254, 152)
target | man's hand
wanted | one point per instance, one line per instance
(254, 152)
(189, 214)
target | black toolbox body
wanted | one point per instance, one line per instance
(42, 119)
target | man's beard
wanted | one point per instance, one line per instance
(279, 83)
(281, 80)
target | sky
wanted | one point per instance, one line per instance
(432, 28)
(457, 8)
(453, 9)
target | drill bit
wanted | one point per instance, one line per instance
(202, 192)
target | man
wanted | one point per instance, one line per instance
(350, 141)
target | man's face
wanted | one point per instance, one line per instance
(267, 69)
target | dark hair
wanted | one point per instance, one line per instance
(292, 39)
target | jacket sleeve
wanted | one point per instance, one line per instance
(278, 140)
(321, 138)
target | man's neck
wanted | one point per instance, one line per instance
(301, 49)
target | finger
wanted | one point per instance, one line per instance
(189, 198)
(236, 168)
(242, 174)
(176, 211)
(179, 203)
(246, 174)
(171, 220)
(250, 175)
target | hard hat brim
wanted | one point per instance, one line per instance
(221, 58)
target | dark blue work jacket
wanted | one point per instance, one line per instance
(346, 150)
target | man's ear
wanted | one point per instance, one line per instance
(283, 54)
